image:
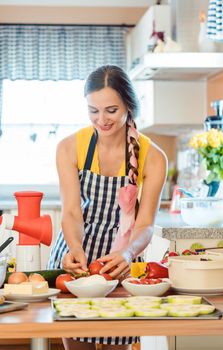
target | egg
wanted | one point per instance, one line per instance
(36, 277)
(17, 277)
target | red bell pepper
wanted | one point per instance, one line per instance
(156, 270)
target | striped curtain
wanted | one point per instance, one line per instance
(58, 52)
(215, 20)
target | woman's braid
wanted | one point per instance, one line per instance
(132, 151)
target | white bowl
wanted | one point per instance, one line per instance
(146, 289)
(202, 212)
(90, 287)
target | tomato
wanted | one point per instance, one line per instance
(60, 282)
(106, 276)
(95, 267)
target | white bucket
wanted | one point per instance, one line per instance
(190, 272)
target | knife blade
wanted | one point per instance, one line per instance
(6, 243)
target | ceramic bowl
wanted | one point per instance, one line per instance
(146, 289)
(202, 212)
(90, 287)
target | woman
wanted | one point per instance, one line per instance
(107, 165)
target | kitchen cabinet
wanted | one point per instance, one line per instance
(199, 342)
(171, 106)
(157, 18)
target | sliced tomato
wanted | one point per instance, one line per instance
(134, 281)
(144, 281)
(154, 280)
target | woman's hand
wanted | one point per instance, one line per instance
(75, 263)
(117, 264)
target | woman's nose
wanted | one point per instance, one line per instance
(102, 118)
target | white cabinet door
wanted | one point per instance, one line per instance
(170, 103)
(139, 37)
(157, 343)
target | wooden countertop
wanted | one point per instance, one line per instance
(36, 322)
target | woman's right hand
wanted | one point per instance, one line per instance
(75, 263)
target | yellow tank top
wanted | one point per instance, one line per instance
(83, 137)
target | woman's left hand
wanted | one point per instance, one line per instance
(116, 265)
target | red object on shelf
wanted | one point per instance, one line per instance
(33, 229)
(175, 202)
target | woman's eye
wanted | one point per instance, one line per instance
(112, 110)
(93, 111)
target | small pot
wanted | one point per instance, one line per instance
(189, 272)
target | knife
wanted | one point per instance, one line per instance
(6, 243)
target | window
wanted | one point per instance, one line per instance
(36, 116)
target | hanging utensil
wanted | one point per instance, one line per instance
(6, 243)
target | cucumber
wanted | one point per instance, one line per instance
(49, 275)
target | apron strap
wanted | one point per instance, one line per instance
(90, 152)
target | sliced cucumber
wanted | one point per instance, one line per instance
(183, 312)
(151, 312)
(184, 299)
(204, 309)
(116, 313)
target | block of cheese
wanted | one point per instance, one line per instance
(26, 288)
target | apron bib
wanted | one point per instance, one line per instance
(101, 222)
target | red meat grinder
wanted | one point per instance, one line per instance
(33, 229)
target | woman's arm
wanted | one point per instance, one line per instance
(154, 176)
(72, 219)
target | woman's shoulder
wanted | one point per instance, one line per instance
(77, 141)
(84, 133)
(144, 141)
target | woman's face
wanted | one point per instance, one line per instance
(106, 110)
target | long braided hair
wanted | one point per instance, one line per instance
(116, 78)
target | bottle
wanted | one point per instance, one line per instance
(215, 121)
(204, 43)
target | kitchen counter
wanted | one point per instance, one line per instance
(36, 322)
(172, 228)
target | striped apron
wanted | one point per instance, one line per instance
(101, 222)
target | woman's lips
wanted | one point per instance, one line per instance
(105, 127)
